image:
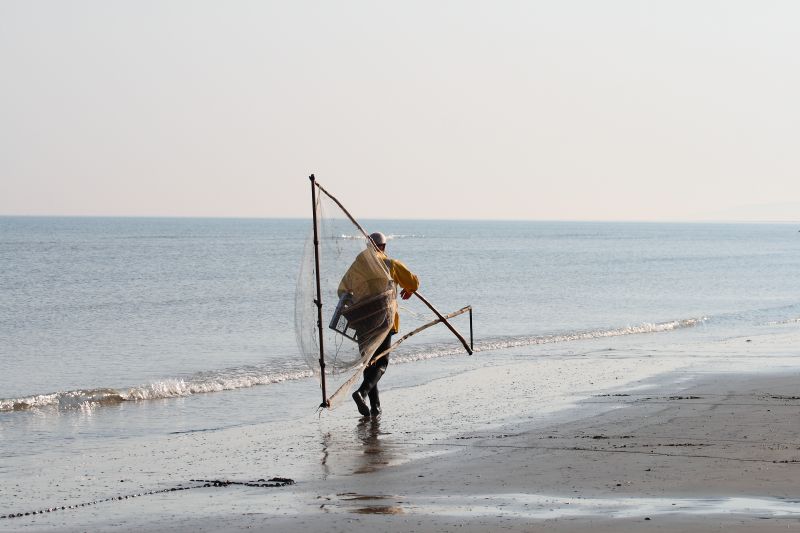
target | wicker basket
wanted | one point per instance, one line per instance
(361, 321)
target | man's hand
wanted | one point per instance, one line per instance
(405, 295)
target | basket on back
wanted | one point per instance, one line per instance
(365, 320)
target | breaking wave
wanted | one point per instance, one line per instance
(168, 388)
(782, 322)
(232, 379)
(647, 327)
(515, 342)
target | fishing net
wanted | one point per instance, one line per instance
(358, 296)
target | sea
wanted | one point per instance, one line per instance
(123, 328)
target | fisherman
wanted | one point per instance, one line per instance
(372, 276)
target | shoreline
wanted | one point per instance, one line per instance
(509, 449)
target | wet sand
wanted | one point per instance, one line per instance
(723, 454)
(691, 450)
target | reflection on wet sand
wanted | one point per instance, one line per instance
(367, 453)
(374, 454)
(372, 509)
(364, 450)
(379, 509)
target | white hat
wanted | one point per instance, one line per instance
(378, 238)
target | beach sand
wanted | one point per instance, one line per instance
(696, 448)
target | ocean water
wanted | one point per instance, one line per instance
(119, 327)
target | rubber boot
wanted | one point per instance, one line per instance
(362, 406)
(374, 402)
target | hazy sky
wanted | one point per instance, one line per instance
(581, 110)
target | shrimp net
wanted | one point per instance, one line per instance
(358, 297)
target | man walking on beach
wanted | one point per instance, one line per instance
(363, 268)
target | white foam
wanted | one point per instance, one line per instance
(221, 382)
(646, 327)
(783, 322)
(77, 399)
(162, 389)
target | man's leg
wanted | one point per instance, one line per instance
(369, 386)
(380, 368)
(374, 399)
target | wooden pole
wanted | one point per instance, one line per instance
(445, 322)
(318, 301)
(426, 302)
(470, 329)
(391, 348)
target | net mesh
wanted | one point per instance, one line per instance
(358, 300)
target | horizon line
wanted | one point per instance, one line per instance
(610, 221)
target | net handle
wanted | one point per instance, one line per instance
(444, 321)
(318, 301)
(426, 302)
(423, 327)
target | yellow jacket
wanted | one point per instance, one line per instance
(367, 276)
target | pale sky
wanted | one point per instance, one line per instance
(558, 110)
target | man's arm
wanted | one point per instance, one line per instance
(405, 278)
